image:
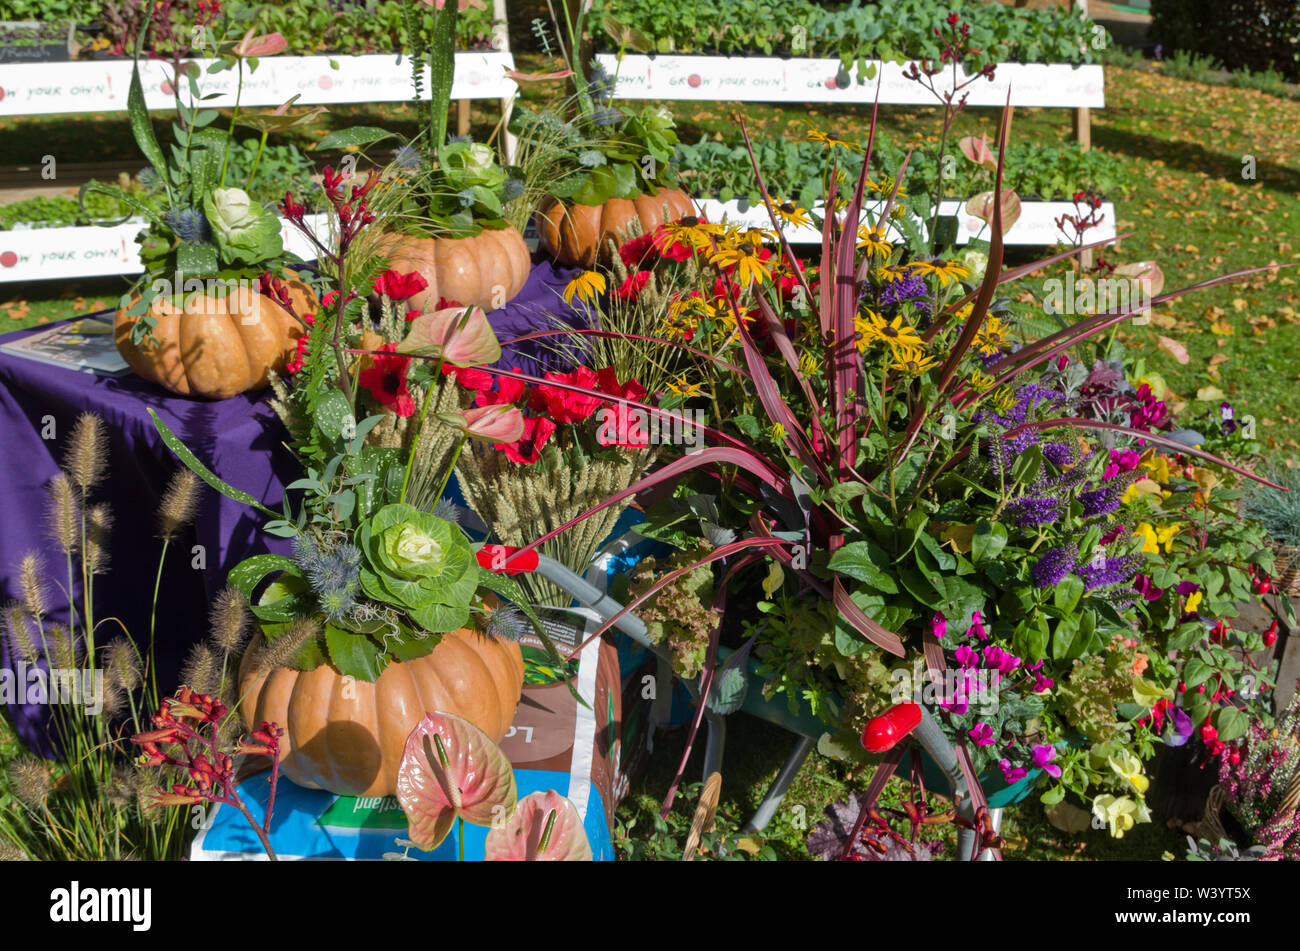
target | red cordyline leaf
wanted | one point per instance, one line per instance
(777, 409)
(1044, 349)
(722, 551)
(1156, 438)
(1012, 274)
(545, 827)
(776, 330)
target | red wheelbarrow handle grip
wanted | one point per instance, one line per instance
(889, 729)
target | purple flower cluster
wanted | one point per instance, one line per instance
(1106, 571)
(1103, 500)
(905, 290)
(1030, 510)
(1027, 398)
(1057, 453)
(1052, 567)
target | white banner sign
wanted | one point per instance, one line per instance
(1037, 226)
(772, 79)
(102, 85)
(42, 254)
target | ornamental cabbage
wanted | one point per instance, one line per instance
(246, 232)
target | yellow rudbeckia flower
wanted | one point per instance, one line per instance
(585, 287)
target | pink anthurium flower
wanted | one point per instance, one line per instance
(977, 150)
(451, 769)
(461, 335)
(981, 206)
(546, 827)
(497, 422)
(267, 44)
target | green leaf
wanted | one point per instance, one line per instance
(440, 618)
(141, 127)
(1067, 593)
(988, 541)
(1063, 638)
(355, 655)
(866, 562)
(353, 136)
(196, 260)
(172, 442)
(249, 573)
(332, 413)
(1196, 672)
(1231, 723)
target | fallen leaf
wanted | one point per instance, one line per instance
(1173, 348)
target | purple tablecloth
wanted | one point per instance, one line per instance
(240, 439)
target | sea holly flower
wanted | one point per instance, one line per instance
(1043, 756)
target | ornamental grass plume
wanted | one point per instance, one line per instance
(61, 648)
(279, 652)
(229, 621)
(30, 780)
(64, 517)
(99, 523)
(32, 585)
(202, 669)
(86, 458)
(122, 661)
(179, 504)
(19, 632)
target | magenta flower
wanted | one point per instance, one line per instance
(938, 625)
(977, 627)
(967, 656)
(982, 735)
(995, 658)
(1126, 460)
(1043, 684)
(1012, 774)
(1145, 587)
(1043, 756)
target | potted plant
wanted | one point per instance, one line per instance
(449, 205)
(385, 609)
(1279, 512)
(613, 176)
(196, 322)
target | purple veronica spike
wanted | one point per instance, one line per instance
(1052, 567)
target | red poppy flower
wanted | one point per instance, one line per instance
(632, 286)
(562, 405)
(443, 303)
(636, 250)
(607, 382)
(528, 447)
(507, 391)
(386, 381)
(471, 378)
(412, 313)
(398, 286)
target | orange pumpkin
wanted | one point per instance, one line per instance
(579, 235)
(215, 344)
(347, 736)
(484, 270)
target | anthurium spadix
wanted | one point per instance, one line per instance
(461, 336)
(451, 769)
(546, 827)
(497, 423)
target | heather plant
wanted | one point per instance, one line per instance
(1261, 783)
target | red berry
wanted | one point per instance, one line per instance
(1182, 687)
(1270, 638)
(1201, 689)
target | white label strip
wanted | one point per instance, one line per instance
(1037, 226)
(102, 85)
(772, 79)
(41, 254)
